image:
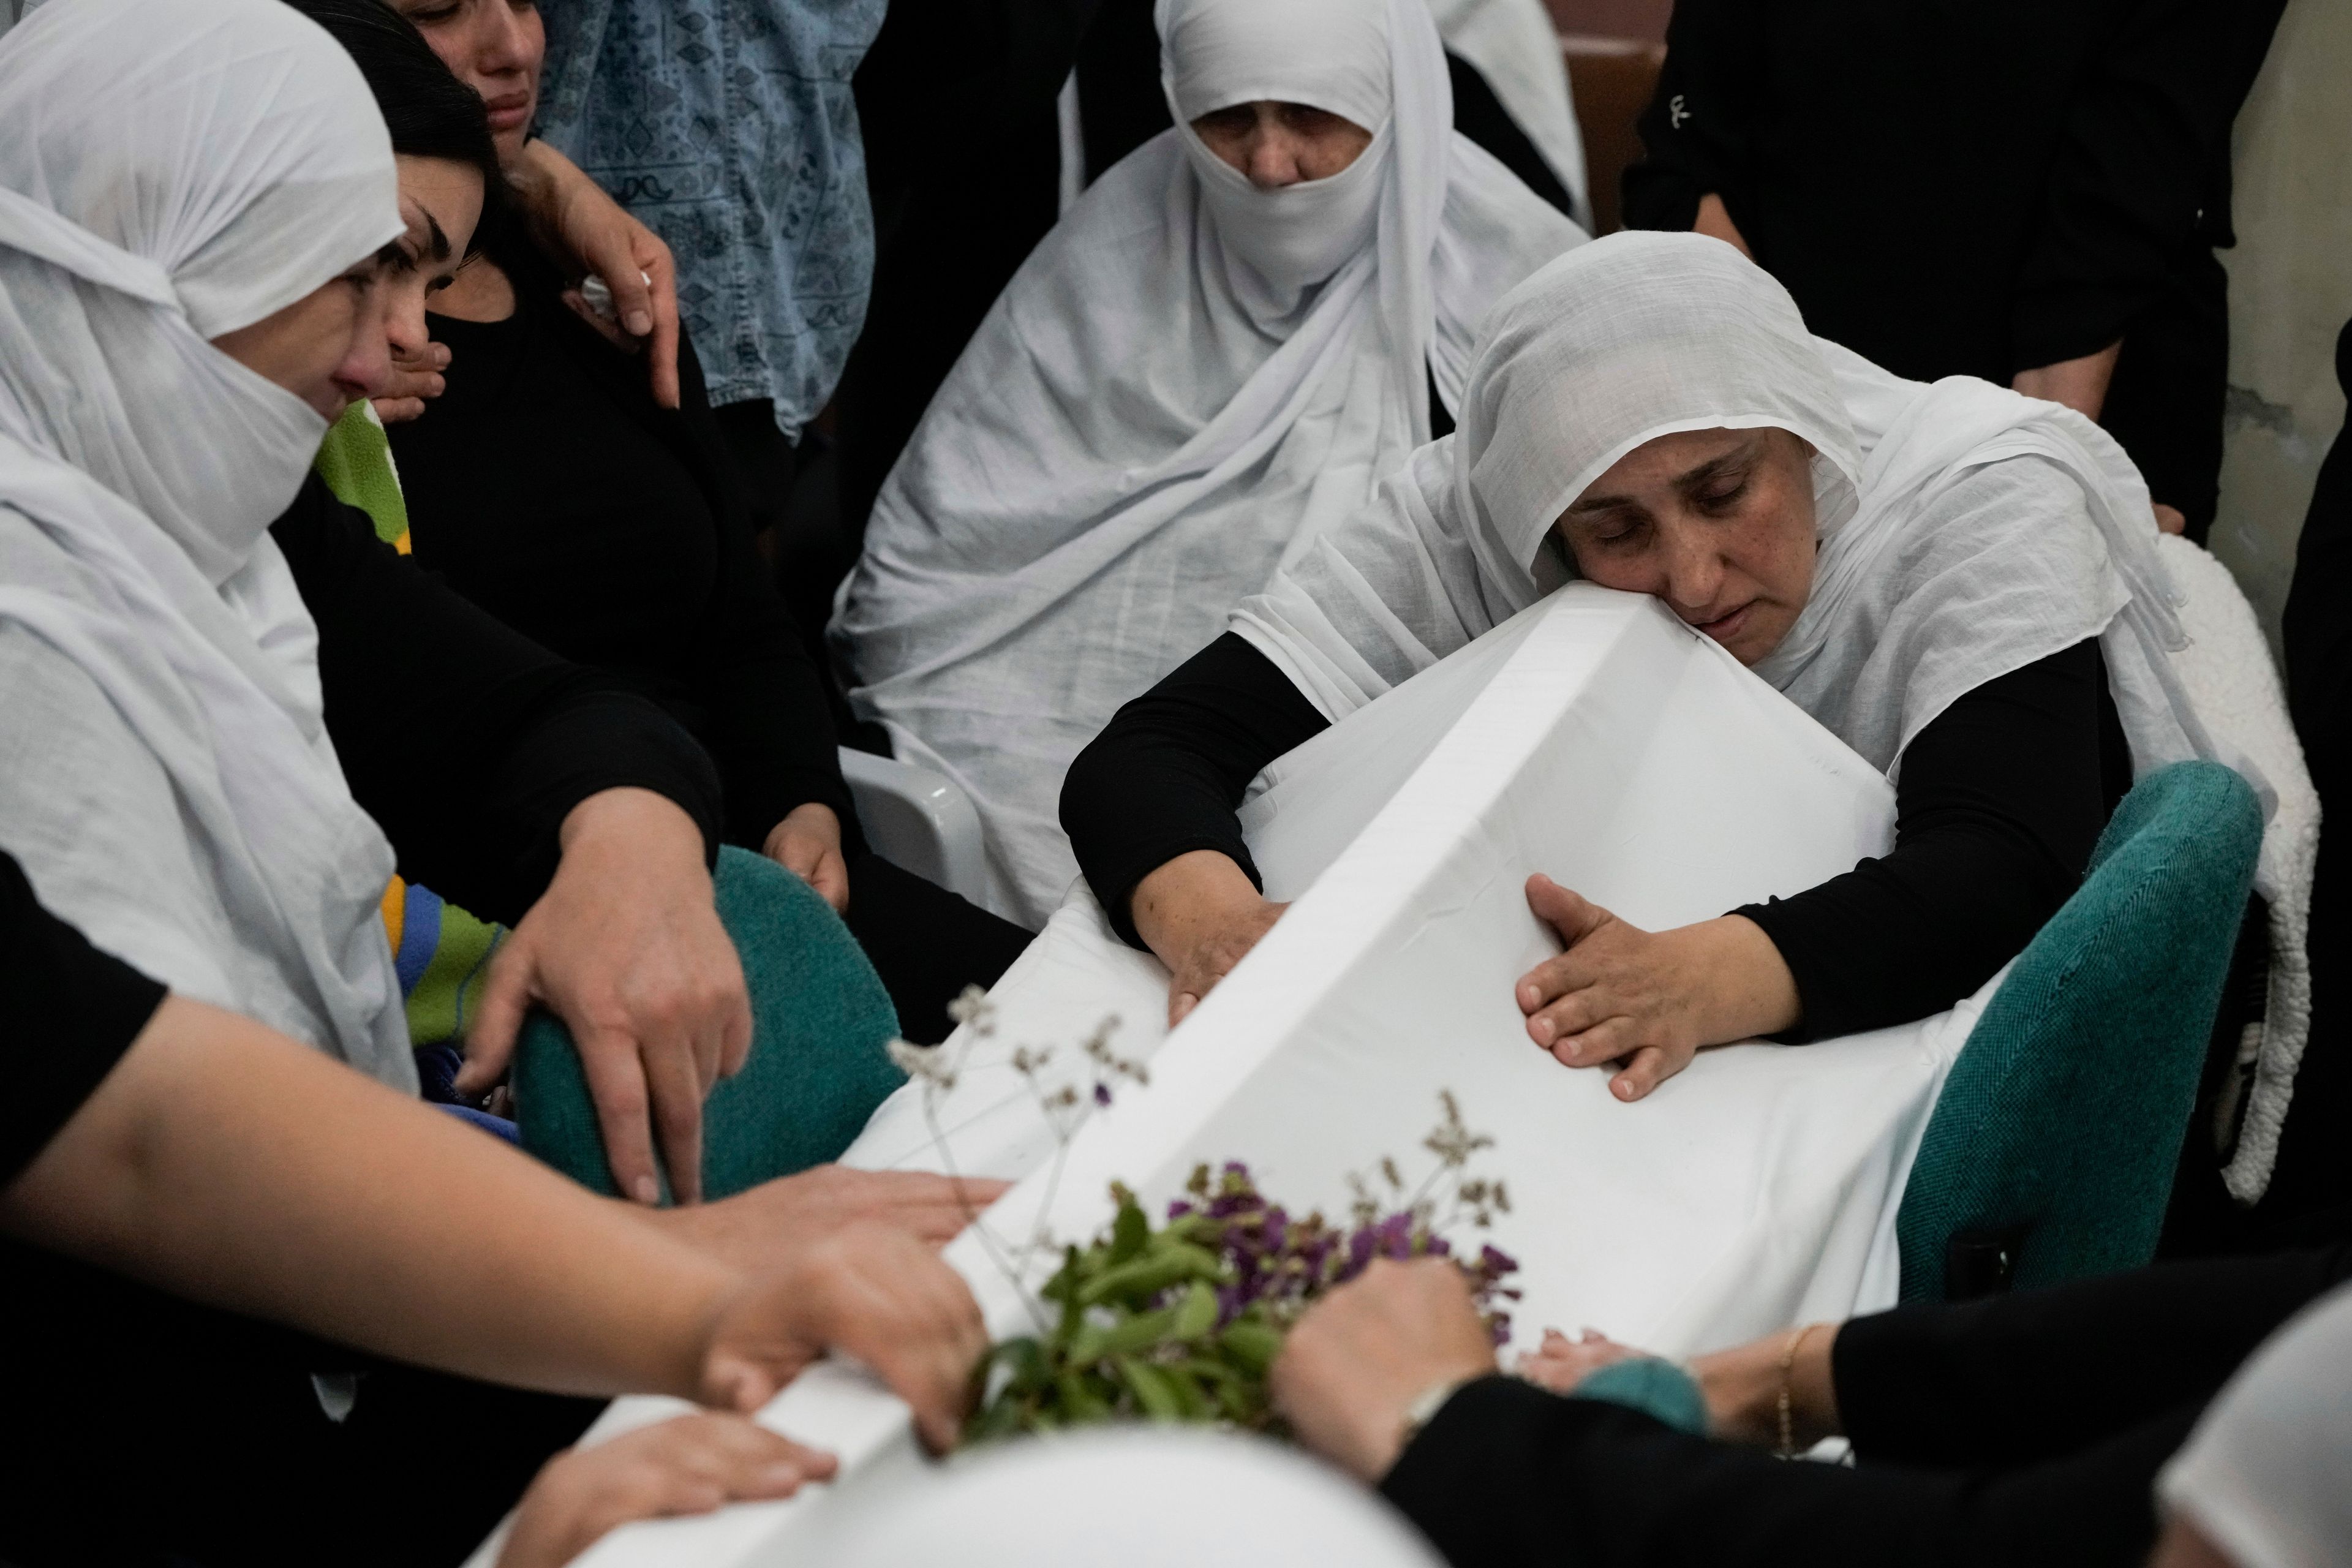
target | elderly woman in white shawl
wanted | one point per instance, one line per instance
(1959, 582)
(1237, 333)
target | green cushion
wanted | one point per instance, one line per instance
(2061, 1120)
(1656, 1387)
(818, 1067)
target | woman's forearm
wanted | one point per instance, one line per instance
(223, 1161)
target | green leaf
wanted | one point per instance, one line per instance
(1154, 1390)
(1137, 1282)
(1080, 1402)
(1196, 1314)
(1123, 1337)
(1128, 1232)
(1253, 1344)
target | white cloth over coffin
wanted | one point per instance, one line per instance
(1187, 381)
(1593, 737)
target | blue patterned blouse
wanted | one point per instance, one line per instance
(728, 127)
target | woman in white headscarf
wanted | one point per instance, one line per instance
(202, 241)
(1959, 582)
(1236, 333)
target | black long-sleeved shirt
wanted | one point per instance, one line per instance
(1955, 189)
(547, 486)
(2019, 1431)
(82, 1009)
(467, 741)
(1999, 803)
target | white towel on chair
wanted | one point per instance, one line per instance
(2229, 675)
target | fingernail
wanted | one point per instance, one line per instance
(647, 1190)
(781, 1476)
(1542, 1030)
(640, 323)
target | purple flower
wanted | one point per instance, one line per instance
(1102, 1094)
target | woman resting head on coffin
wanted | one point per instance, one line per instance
(1957, 581)
(1217, 355)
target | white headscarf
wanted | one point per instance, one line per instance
(1189, 378)
(1965, 531)
(170, 170)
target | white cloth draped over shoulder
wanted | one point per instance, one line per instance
(1965, 531)
(170, 170)
(1187, 381)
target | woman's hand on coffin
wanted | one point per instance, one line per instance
(755, 1230)
(626, 948)
(576, 220)
(868, 1291)
(1647, 1001)
(1353, 1369)
(1202, 914)
(1560, 1364)
(807, 842)
(687, 1465)
(412, 382)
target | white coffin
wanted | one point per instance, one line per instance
(1594, 738)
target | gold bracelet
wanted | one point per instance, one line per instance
(1787, 1365)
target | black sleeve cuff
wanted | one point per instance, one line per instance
(76, 1009)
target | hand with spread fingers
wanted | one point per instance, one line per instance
(625, 946)
(687, 1465)
(1647, 1002)
(868, 1291)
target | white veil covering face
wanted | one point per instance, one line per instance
(1965, 531)
(170, 170)
(1186, 382)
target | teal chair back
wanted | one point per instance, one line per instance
(820, 1021)
(2052, 1150)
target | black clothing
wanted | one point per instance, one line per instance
(1999, 805)
(170, 1434)
(548, 487)
(2015, 1430)
(1975, 189)
(467, 743)
(2315, 1165)
(77, 1008)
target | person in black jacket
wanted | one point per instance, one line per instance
(547, 485)
(2030, 194)
(2015, 1430)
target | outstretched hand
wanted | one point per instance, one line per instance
(867, 1291)
(1647, 1001)
(626, 948)
(687, 1465)
(1560, 1364)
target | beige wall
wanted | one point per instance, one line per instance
(2290, 292)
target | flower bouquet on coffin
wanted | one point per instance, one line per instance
(1181, 1320)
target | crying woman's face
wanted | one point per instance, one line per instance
(1718, 523)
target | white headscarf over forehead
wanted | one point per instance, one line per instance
(1965, 532)
(1189, 378)
(171, 169)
